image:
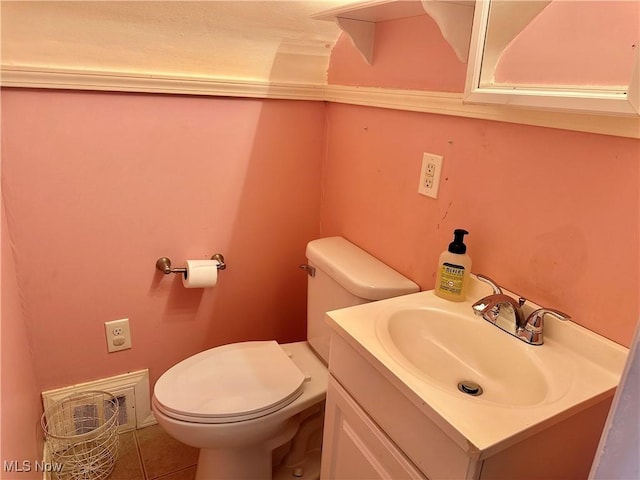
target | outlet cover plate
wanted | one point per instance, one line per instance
(430, 175)
(118, 335)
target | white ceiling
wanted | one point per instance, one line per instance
(269, 40)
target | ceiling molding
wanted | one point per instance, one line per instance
(25, 77)
(440, 103)
(443, 103)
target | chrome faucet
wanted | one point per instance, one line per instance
(529, 330)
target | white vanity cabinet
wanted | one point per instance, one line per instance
(370, 426)
(354, 447)
(375, 429)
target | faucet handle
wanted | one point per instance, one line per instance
(494, 285)
(535, 321)
(491, 306)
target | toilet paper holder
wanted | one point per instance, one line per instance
(164, 264)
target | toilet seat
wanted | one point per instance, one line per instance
(231, 383)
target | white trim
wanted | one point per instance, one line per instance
(26, 77)
(440, 103)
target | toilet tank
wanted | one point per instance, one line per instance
(345, 275)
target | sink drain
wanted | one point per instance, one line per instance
(470, 388)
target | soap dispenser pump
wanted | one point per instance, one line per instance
(454, 265)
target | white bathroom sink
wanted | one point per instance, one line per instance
(447, 348)
(426, 346)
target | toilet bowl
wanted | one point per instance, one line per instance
(237, 403)
(239, 444)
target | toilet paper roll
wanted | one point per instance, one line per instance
(200, 274)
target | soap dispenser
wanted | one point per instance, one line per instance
(454, 266)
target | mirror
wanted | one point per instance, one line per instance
(580, 56)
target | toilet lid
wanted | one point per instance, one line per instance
(230, 383)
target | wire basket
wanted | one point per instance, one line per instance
(81, 432)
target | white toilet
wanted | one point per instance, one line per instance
(238, 403)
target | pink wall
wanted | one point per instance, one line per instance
(553, 214)
(21, 437)
(98, 186)
(526, 194)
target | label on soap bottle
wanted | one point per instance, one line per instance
(451, 278)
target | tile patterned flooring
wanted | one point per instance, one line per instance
(151, 454)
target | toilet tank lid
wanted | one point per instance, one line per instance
(356, 270)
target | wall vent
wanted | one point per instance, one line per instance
(85, 419)
(123, 414)
(131, 390)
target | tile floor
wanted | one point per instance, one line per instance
(149, 453)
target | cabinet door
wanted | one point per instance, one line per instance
(354, 447)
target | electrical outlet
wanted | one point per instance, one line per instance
(428, 182)
(118, 335)
(430, 175)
